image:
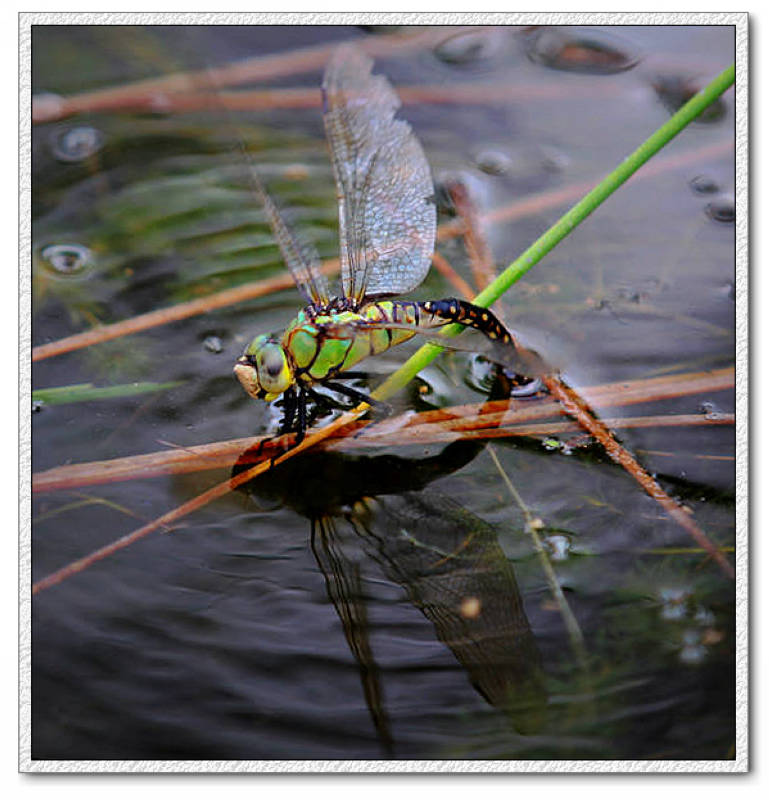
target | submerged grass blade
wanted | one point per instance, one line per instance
(83, 392)
(532, 527)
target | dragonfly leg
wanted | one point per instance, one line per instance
(361, 397)
(289, 410)
(294, 419)
(301, 415)
(353, 374)
(290, 403)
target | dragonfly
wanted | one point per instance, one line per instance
(387, 225)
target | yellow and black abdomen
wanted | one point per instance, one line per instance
(323, 346)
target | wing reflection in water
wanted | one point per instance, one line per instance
(454, 571)
(447, 560)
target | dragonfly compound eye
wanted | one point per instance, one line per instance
(264, 370)
(271, 364)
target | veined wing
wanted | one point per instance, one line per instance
(454, 571)
(387, 214)
(521, 360)
(300, 257)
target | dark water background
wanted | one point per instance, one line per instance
(223, 639)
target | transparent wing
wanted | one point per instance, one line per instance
(519, 359)
(300, 257)
(387, 214)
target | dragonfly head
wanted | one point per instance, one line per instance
(263, 370)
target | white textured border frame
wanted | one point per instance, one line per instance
(740, 23)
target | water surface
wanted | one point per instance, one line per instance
(418, 624)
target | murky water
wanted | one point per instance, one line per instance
(294, 619)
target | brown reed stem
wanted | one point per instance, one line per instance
(195, 503)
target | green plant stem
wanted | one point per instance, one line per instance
(573, 217)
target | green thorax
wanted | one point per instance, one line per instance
(328, 344)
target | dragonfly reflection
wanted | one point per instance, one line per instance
(446, 559)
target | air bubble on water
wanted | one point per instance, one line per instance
(213, 344)
(470, 48)
(66, 259)
(554, 160)
(721, 210)
(711, 410)
(493, 162)
(479, 374)
(703, 184)
(693, 651)
(435, 389)
(76, 144)
(676, 90)
(578, 49)
(673, 603)
(729, 290)
(559, 546)
(704, 616)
